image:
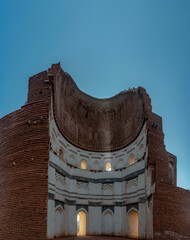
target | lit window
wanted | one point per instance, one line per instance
(133, 224)
(83, 164)
(131, 160)
(108, 166)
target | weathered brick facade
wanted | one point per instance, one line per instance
(24, 151)
(171, 212)
(25, 144)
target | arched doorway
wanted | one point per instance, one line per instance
(81, 223)
(107, 222)
(133, 224)
(131, 160)
(59, 222)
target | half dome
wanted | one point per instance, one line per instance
(96, 124)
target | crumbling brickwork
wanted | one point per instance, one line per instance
(171, 215)
(24, 153)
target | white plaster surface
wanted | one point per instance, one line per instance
(50, 219)
(95, 214)
(78, 189)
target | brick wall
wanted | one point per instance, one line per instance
(171, 212)
(157, 155)
(93, 124)
(24, 153)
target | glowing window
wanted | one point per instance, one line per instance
(131, 160)
(108, 166)
(133, 224)
(81, 223)
(83, 164)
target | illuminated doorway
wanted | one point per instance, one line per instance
(81, 223)
(133, 224)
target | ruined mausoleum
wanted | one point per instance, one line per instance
(72, 164)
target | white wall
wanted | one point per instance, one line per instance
(95, 214)
(78, 188)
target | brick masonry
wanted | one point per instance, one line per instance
(171, 212)
(24, 156)
(91, 123)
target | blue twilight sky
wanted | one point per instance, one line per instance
(106, 46)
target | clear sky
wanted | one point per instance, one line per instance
(106, 46)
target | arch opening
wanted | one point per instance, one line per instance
(131, 160)
(107, 222)
(133, 224)
(81, 223)
(108, 166)
(83, 164)
(61, 154)
(59, 222)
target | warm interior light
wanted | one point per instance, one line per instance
(133, 224)
(131, 160)
(108, 166)
(83, 164)
(81, 223)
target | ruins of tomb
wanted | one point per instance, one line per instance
(74, 165)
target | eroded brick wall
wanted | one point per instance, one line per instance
(24, 153)
(158, 157)
(93, 124)
(171, 213)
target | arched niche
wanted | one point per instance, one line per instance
(108, 166)
(132, 186)
(120, 163)
(59, 221)
(141, 147)
(107, 222)
(53, 143)
(96, 165)
(61, 154)
(60, 182)
(141, 151)
(81, 223)
(82, 190)
(133, 224)
(107, 190)
(72, 159)
(83, 164)
(131, 159)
